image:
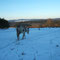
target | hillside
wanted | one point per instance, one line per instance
(36, 23)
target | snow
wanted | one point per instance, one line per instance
(43, 44)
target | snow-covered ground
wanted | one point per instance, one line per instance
(43, 44)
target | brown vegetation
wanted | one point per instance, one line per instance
(38, 23)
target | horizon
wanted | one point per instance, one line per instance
(36, 18)
(29, 9)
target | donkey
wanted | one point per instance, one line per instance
(21, 29)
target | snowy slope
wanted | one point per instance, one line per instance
(43, 44)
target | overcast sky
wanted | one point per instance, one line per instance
(20, 9)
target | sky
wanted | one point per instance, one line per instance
(29, 9)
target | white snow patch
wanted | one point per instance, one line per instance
(43, 44)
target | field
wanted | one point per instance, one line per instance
(43, 44)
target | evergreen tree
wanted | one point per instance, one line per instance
(4, 23)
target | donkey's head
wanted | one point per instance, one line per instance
(27, 30)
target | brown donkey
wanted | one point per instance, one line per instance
(21, 29)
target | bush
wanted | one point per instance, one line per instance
(4, 23)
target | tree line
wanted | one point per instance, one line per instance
(51, 23)
(34, 23)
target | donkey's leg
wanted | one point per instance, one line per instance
(18, 35)
(23, 35)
